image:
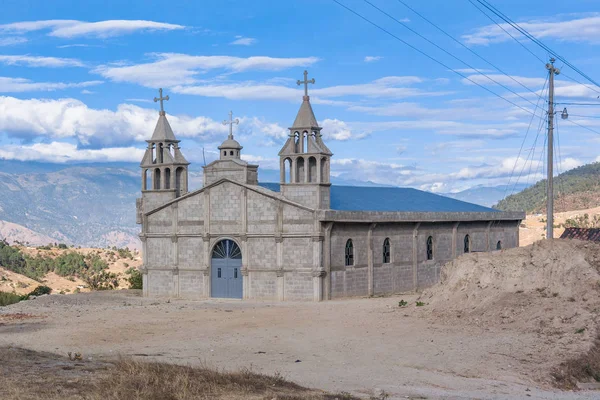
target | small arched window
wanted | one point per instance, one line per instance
(349, 253)
(430, 248)
(386, 251)
(231, 153)
(467, 248)
(499, 245)
(224, 153)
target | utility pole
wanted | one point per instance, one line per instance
(550, 179)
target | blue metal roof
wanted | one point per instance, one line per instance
(357, 198)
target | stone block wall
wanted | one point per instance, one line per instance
(311, 195)
(404, 272)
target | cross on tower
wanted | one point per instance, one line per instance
(306, 81)
(231, 122)
(161, 98)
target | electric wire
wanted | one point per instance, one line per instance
(466, 47)
(507, 32)
(430, 57)
(446, 51)
(524, 32)
(523, 142)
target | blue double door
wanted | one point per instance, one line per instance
(226, 270)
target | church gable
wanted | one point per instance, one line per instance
(262, 213)
(225, 208)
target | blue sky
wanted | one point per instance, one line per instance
(77, 80)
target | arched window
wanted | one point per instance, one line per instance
(312, 169)
(499, 245)
(231, 153)
(156, 180)
(305, 140)
(167, 178)
(287, 170)
(467, 248)
(386, 251)
(146, 183)
(160, 153)
(178, 180)
(349, 253)
(323, 170)
(297, 141)
(224, 153)
(430, 248)
(299, 170)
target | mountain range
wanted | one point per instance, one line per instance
(93, 205)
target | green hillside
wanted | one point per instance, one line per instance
(576, 189)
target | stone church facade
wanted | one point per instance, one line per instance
(301, 239)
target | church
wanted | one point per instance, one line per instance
(302, 238)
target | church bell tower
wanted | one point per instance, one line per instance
(164, 168)
(305, 160)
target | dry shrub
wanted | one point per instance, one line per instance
(585, 368)
(26, 374)
(131, 379)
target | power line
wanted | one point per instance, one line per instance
(506, 19)
(584, 116)
(508, 33)
(523, 144)
(447, 52)
(580, 104)
(430, 57)
(466, 47)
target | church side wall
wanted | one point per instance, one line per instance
(280, 243)
(408, 268)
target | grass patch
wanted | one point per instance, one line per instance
(420, 304)
(7, 299)
(56, 378)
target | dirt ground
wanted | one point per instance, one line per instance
(358, 345)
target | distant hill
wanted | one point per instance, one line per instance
(89, 205)
(484, 195)
(576, 189)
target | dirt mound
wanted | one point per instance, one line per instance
(551, 288)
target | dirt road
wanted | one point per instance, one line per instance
(350, 345)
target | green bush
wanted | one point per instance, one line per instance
(40, 290)
(134, 278)
(9, 298)
(102, 280)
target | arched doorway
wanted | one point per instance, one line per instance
(226, 270)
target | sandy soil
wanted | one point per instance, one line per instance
(354, 345)
(533, 229)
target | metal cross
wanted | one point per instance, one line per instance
(231, 122)
(161, 98)
(306, 82)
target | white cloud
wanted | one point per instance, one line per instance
(100, 29)
(172, 69)
(70, 118)
(85, 91)
(405, 20)
(569, 163)
(575, 30)
(372, 58)
(334, 129)
(387, 87)
(244, 41)
(12, 41)
(19, 85)
(38, 61)
(61, 152)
